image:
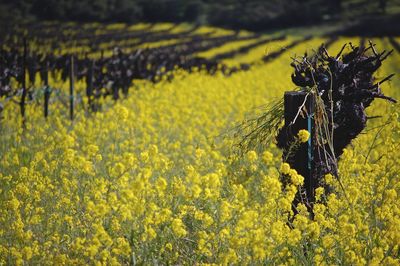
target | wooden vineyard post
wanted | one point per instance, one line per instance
(89, 88)
(115, 92)
(24, 89)
(71, 88)
(299, 115)
(46, 89)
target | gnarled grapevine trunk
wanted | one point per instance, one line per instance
(341, 87)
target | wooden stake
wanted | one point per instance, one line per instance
(89, 89)
(46, 89)
(71, 88)
(24, 89)
(302, 158)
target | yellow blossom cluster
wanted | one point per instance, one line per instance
(303, 135)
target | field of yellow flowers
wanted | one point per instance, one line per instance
(152, 179)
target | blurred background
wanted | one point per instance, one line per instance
(353, 17)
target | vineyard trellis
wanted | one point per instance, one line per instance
(111, 75)
(105, 76)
